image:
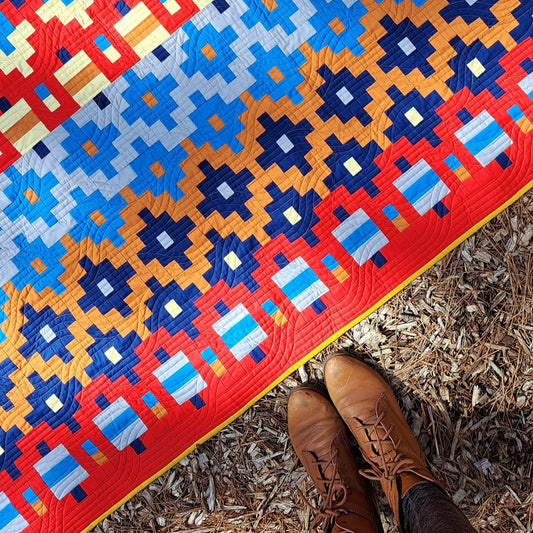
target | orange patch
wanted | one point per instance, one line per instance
(218, 368)
(38, 265)
(21, 127)
(279, 318)
(276, 74)
(340, 274)
(99, 457)
(157, 169)
(400, 223)
(270, 4)
(462, 174)
(97, 217)
(149, 99)
(216, 123)
(208, 52)
(31, 196)
(39, 507)
(81, 79)
(337, 26)
(90, 148)
(140, 32)
(159, 411)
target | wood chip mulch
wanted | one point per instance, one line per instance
(456, 346)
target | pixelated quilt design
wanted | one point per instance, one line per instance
(56, 55)
(198, 195)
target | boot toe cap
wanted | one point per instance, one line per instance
(343, 372)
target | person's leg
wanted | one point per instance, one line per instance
(425, 508)
(320, 439)
(368, 406)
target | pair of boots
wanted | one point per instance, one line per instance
(363, 404)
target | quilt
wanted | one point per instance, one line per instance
(197, 196)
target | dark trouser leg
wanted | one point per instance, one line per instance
(427, 509)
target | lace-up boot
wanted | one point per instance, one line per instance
(321, 441)
(372, 414)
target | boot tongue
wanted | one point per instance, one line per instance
(408, 481)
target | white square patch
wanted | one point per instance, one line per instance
(476, 67)
(407, 46)
(414, 117)
(54, 403)
(225, 190)
(345, 96)
(233, 261)
(105, 287)
(47, 333)
(165, 240)
(285, 144)
(113, 355)
(292, 215)
(173, 309)
(172, 6)
(352, 166)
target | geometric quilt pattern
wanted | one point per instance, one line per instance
(56, 55)
(239, 190)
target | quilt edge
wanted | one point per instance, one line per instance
(314, 352)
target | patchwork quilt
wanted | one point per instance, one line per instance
(196, 196)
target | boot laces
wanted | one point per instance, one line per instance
(388, 461)
(331, 486)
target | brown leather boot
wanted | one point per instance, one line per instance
(321, 441)
(371, 412)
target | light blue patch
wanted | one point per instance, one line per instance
(269, 307)
(484, 138)
(390, 212)
(30, 496)
(360, 236)
(160, 89)
(220, 42)
(209, 356)
(119, 424)
(42, 186)
(330, 262)
(149, 400)
(421, 186)
(288, 66)
(102, 42)
(3, 299)
(515, 113)
(239, 331)
(60, 471)
(110, 211)
(227, 113)
(452, 162)
(42, 92)
(299, 284)
(50, 256)
(78, 157)
(169, 160)
(281, 15)
(6, 29)
(89, 447)
(328, 10)
(7, 515)
(180, 378)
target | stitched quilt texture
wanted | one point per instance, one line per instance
(196, 196)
